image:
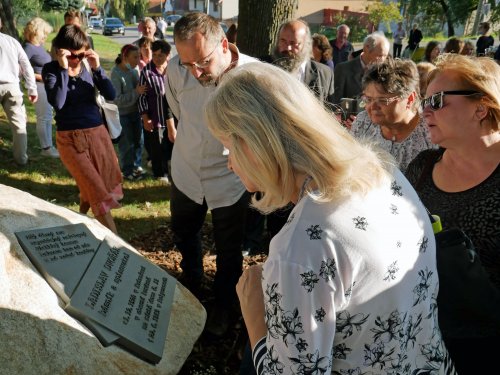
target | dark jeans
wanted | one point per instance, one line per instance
(396, 50)
(131, 142)
(228, 226)
(160, 151)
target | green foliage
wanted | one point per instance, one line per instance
(383, 13)
(54, 18)
(61, 5)
(75, 4)
(26, 9)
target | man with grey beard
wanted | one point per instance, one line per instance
(292, 52)
(200, 174)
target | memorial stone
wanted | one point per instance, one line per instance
(61, 255)
(128, 294)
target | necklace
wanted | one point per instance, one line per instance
(303, 188)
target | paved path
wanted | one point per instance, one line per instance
(131, 35)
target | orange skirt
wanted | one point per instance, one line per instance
(90, 158)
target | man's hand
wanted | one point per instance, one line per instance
(33, 98)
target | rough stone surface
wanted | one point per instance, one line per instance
(38, 337)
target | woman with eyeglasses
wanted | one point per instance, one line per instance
(391, 117)
(460, 182)
(82, 138)
(349, 282)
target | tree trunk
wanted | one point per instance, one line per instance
(259, 21)
(449, 20)
(8, 21)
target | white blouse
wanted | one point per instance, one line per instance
(350, 288)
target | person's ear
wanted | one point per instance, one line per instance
(411, 100)
(481, 111)
(225, 45)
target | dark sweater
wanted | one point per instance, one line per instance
(73, 98)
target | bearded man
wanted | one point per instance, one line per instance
(292, 52)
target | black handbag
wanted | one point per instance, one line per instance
(466, 293)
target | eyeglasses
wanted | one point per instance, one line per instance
(80, 56)
(379, 101)
(199, 65)
(435, 101)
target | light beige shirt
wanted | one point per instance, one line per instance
(13, 60)
(199, 168)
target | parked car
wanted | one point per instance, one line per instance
(95, 22)
(113, 26)
(172, 19)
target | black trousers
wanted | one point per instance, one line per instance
(228, 226)
(396, 50)
(160, 150)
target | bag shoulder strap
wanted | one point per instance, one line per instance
(96, 90)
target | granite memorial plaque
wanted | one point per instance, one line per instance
(61, 255)
(128, 294)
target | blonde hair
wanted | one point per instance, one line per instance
(36, 30)
(289, 132)
(424, 68)
(475, 73)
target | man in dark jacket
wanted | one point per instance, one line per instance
(414, 38)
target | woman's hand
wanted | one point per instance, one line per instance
(141, 89)
(249, 290)
(93, 59)
(62, 57)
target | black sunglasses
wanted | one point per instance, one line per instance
(80, 56)
(435, 101)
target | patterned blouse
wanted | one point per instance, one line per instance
(350, 288)
(404, 151)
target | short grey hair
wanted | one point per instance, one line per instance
(149, 20)
(343, 25)
(375, 39)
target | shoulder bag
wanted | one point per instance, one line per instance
(110, 113)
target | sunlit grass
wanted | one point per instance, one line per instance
(146, 203)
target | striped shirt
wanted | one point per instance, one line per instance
(153, 101)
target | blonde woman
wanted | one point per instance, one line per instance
(35, 34)
(350, 282)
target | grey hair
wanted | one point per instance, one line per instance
(375, 39)
(394, 76)
(149, 20)
(343, 25)
(198, 22)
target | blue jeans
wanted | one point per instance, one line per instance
(131, 142)
(228, 226)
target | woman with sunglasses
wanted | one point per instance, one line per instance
(391, 117)
(82, 138)
(460, 182)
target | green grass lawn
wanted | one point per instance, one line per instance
(146, 203)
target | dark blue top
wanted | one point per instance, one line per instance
(37, 55)
(73, 98)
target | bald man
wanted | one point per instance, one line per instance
(293, 51)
